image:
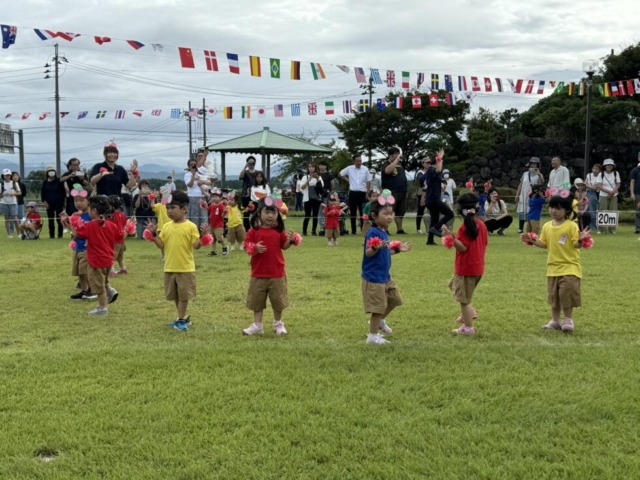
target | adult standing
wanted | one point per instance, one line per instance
(421, 179)
(15, 176)
(433, 197)
(195, 182)
(9, 201)
(559, 175)
(53, 195)
(498, 217)
(376, 183)
(108, 177)
(72, 176)
(591, 183)
(529, 178)
(635, 192)
(248, 176)
(312, 188)
(608, 183)
(170, 185)
(299, 196)
(395, 179)
(359, 179)
(328, 181)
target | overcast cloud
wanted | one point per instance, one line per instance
(546, 40)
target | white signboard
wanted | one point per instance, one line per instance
(607, 218)
(6, 139)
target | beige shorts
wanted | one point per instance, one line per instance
(79, 266)
(463, 287)
(218, 234)
(261, 288)
(98, 279)
(118, 252)
(332, 233)
(180, 286)
(236, 233)
(564, 292)
(380, 298)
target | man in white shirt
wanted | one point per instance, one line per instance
(559, 176)
(170, 185)
(359, 180)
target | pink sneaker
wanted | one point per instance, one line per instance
(254, 329)
(464, 330)
(123, 271)
(112, 273)
(567, 325)
(552, 325)
(475, 315)
(279, 328)
(376, 339)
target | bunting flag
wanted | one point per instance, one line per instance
(600, 89)
(581, 90)
(245, 112)
(119, 114)
(397, 102)
(530, 85)
(391, 78)
(295, 109)
(176, 113)
(614, 89)
(344, 68)
(636, 85)
(541, 87)
(186, 57)
(64, 114)
(512, 85)
(360, 76)
(405, 79)
(328, 108)
(262, 112)
(234, 65)
(420, 79)
(193, 112)
(254, 64)
(375, 76)
(312, 108)
(8, 115)
(435, 81)
(101, 40)
(416, 101)
(487, 84)
(44, 115)
(156, 112)
(275, 67)
(48, 35)
(498, 85)
(25, 116)
(381, 104)
(101, 114)
(552, 84)
(227, 113)
(621, 88)
(363, 105)
(211, 60)
(135, 44)
(82, 115)
(9, 34)
(475, 84)
(559, 88)
(607, 90)
(448, 83)
(630, 87)
(571, 88)
(212, 111)
(295, 70)
(157, 47)
(450, 99)
(278, 110)
(462, 84)
(433, 100)
(138, 113)
(346, 106)
(518, 88)
(317, 71)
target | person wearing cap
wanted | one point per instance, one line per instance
(591, 183)
(30, 226)
(634, 187)
(559, 175)
(608, 183)
(529, 178)
(359, 180)
(9, 193)
(376, 183)
(328, 181)
(395, 179)
(52, 195)
(581, 204)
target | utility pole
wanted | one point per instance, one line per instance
(368, 89)
(56, 98)
(204, 123)
(190, 134)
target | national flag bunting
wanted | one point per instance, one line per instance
(630, 87)
(621, 88)
(397, 102)
(405, 79)
(572, 88)
(193, 112)
(234, 64)
(295, 70)
(254, 64)
(262, 112)
(475, 84)
(101, 40)
(600, 89)
(156, 112)
(119, 114)
(48, 34)
(488, 87)
(559, 88)
(360, 76)
(498, 84)
(227, 113)
(433, 100)
(246, 112)
(530, 85)
(448, 83)
(636, 85)
(435, 81)
(9, 34)
(82, 115)
(416, 101)
(25, 116)
(346, 106)
(328, 108)
(278, 110)
(295, 109)
(450, 99)
(419, 80)
(176, 113)
(607, 90)
(391, 78)
(317, 71)
(344, 68)
(101, 114)
(274, 67)
(8, 115)
(518, 87)
(312, 108)
(462, 84)
(138, 113)
(382, 104)
(363, 105)
(44, 115)
(211, 61)
(186, 57)
(541, 87)
(614, 89)
(64, 114)
(135, 44)
(375, 76)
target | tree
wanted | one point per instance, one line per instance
(484, 132)
(290, 164)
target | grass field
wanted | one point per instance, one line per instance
(124, 397)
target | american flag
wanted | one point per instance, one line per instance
(156, 113)
(375, 76)
(82, 115)
(360, 76)
(279, 110)
(211, 60)
(313, 108)
(391, 78)
(295, 109)
(176, 113)
(119, 114)
(193, 112)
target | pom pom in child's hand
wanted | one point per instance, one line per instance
(252, 207)
(72, 244)
(130, 227)
(365, 217)
(250, 248)
(206, 240)
(438, 159)
(374, 242)
(469, 185)
(524, 239)
(587, 243)
(395, 245)
(75, 221)
(448, 241)
(152, 197)
(104, 170)
(297, 239)
(147, 235)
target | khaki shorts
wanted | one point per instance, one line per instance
(118, 252)
(180, 286)
(236, 233)
(218, 234)
(564, 292)
(380, 298)
(332, 233)
(261, 288)
(79, 265)
(463, 287)
(98, 279)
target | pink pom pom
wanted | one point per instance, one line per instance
(75, 221)
(152, 197)
(250, 248)
(533, 236)
(448, 241)
(130, 227)
(396, 244)
(297, 239)
(103, 170)
(438, 159)
(206, 240)
(365, 217)
(72, 244)
(147, 235)
(374, 242)
(469, 185)
(587, 243)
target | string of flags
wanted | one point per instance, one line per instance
(619, 88)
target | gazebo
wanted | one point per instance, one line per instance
(264, 143)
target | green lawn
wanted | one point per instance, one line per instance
(124, 397)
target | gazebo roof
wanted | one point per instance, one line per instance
(267, 142)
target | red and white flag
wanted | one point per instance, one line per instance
(487, 84)
(101, 40)
(262, 112)
(313, 108)
(530, 85)
(138, 113)
(475, 85)
(621, 88)
(433, 99)
(25, 116)
(416, 101)
(156, 113)
(211, 60)
(518, 87)
(44, 115)
(541, 87)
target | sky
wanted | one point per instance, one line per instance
(541, 40)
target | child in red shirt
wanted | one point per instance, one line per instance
(332, 214)
(120, 220)
(101, 239)
(32, 224)
(265, 242)
(470, 244)
(217, 211)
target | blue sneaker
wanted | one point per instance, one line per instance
(186, 320)
(181, 325)
(172, 324)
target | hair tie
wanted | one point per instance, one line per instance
(111, 143)
(386, 198)
(274, 199)
(467, 211)
(78, 191)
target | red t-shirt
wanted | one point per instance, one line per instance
(332, 216)
(35, 218)
(269, 264)
(101, 239)
(216, 215)
(471, 262)
(120, 219)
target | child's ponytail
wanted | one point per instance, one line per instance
(468, 207)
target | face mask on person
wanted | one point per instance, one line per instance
(51, 174)
(532, 169)
(144, 190)
(446, 175)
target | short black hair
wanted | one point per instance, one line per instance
(323, 162)
(141, 182)
(393, 151)
(115, 203)
(180, 199)
(558, 201)
(356, 155)
(255, 218)
(101, 204)
(375, 208)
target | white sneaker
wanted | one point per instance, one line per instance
(279, 328)
(335, 243)
(233, 247)
(377, 339)
(419, 232)
(384, 328)
(9, 236)
(100, 312)
(254, 329)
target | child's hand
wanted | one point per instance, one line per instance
(205, 228)
(260, 247)
(405, 247)
(152, 227)
(584, 234)
(64, 218)
(291, 236)
(446, 230)
(203, 205)
(525, 237)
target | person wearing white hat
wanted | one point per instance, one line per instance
(608, 183)
(9, 193)
(635, 192)
(531, 177)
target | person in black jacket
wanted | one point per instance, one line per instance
(53, 196)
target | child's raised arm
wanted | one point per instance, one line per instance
(153, 228)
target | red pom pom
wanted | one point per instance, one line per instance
(152, 197)
(103, 170)
(448, 241)
(396, 244)
(587, 243)
(206, 240)
(252, 207)
(526, 242)
(130, 227)
(136, 173)
(147, 235)
(250, 248)
(374, 242)
(438, 159)
(469, 185)
(365, 217)
(72, 244)
(75, 221)
(297, 239)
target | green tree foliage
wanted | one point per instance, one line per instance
(625, 65)
(290, 164)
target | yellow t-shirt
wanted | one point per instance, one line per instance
(284, 210)
(234, 216)
(161, 214)
(564, 257)
(178, 239)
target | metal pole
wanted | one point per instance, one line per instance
(21, 147)
(190, 135)
(587, 141)
(204, 123)
(57, 101)
(370, 110)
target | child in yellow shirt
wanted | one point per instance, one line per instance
(235, 228)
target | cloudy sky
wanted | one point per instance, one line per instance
(542, 40)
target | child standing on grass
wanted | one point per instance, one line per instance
(264, 243)
(372, 196)
(235, 228)
(537, 200)
(380, 293)
(179, 238)
(563, 240)
(101, 238)
(216, 221)
(120, 220)
(470, 244)
(79, 266)
(332, 214)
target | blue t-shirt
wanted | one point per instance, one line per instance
(535, 207)
(81, 243)
(376, 269)
(482, 199)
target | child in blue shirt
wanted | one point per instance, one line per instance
(380, 294)
(536, 201)
(79, 265)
